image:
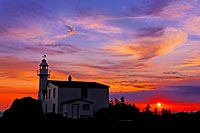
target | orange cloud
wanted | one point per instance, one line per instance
(149, 47)
(18, 73)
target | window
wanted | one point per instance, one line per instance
(54, 92)
(44, 67)
(46, 94)
(54, 107)
(84, 92)
(49, 93)
(46, 108)
(86, 106)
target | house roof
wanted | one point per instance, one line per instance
(77, 99)
(77, 84)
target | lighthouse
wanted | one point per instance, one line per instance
(43, 78)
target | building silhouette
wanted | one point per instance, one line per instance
(72, 99)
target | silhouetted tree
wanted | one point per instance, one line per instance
(122, 101)
(166, 113)
(111, 103)
(119, 110)
(163, 111)
(147, 114)
(156, 111)
(147, 109)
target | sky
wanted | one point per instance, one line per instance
(147, 51)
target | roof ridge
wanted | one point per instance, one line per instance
(75, 81)
(78, 84)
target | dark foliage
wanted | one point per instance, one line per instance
(24, 108)
(118, 110)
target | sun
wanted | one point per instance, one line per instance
(158, 104)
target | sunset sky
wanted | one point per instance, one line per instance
(147, 51)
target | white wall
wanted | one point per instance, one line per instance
(100, 97)
(66, 94)
(67, 108)
(52, 100)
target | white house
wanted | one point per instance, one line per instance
(73, 99)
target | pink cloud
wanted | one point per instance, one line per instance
(28, 33)
(189, 62)
(176, 10)
(192, 25)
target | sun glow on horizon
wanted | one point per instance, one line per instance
(159, 104)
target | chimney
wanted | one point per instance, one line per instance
(70, 78)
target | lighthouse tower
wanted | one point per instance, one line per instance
(43, 77)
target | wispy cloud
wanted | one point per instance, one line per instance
(170, 72)
(96, 23)
(149, 8)
(189, 62)
(177, 10)
(150, 32)
(10, 65)
(69, 33)
(149, 47)
(21, 33)
(192, 25)
(165, 9)
(118, 66)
